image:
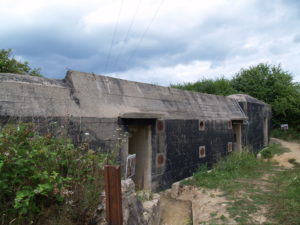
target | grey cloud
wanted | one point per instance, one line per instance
(204, 42)
(57, 41)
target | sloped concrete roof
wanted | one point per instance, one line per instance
(246, 98)
(89, 95)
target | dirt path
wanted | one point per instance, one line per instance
(293, 154)
(194, 205)
(174, 211)
(207, 205)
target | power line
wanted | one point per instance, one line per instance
(146, 30)
(113, 36)
(127, 34)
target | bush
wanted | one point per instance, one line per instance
(266, 154)
(39, 172)
(269, 83)
(219, 86)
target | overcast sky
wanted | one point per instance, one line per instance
(153, 41)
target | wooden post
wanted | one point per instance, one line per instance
(113, 195)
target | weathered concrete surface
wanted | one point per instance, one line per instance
(256, 129)
(152, 210)
(88, 95)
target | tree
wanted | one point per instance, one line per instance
(269, 83)
(219, 86)
(274, 86)
(10, 65)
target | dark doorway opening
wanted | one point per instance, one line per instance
(140, 143)
(237, 135)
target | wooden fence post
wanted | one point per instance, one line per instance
(113, 195)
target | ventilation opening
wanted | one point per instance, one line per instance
(202, 152)
(160, 160)
(140, 144)
(160, 125)
(201, 125)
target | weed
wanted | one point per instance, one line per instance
(222, 217)
(144, 195)
(213, 214)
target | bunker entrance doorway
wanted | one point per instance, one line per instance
(139, 143)
(237, 135)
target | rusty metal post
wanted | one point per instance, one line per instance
(113, 195)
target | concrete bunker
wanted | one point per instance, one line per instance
(167, 126)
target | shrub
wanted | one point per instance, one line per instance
(39, 172)
(266, 154)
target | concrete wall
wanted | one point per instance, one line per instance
(183, 140)
(254, 128)
(96, 110)
(88, 95)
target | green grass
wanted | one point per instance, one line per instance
(235, 166)
(285, 200)
(277, 149)
(250, 184)
(289, 135)
(273, 149)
